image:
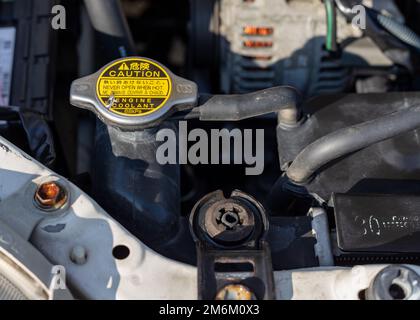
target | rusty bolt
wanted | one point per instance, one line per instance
(50, 196)
(235, 292)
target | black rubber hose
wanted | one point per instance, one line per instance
(350, 139)
(283, 100)
(111, 26)
(399, 30)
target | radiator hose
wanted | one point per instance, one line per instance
(347, 140)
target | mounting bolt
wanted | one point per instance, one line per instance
(78, 255)
(50, 196)
(235, 292)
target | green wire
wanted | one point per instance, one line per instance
(330, 18)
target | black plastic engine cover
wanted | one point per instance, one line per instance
(388, 167)
(378, 223)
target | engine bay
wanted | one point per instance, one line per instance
(224, 149)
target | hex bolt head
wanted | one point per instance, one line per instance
(78, 255)
(50, 196)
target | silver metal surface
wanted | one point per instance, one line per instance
(144, 274)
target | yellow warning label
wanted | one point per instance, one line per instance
(133, 87)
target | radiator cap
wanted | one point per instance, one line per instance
(133, 93)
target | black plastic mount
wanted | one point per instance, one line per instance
(231, 251)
